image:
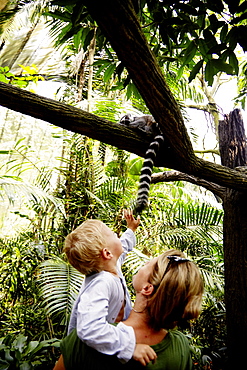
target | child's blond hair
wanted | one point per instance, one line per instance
(83, 247)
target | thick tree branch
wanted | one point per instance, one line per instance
(131, 46)
(132, 49)
(69, 118)
(77, 120)
(167, 176)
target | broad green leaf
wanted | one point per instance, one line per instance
(8, 356)
(217, 49)
(222, 66)
(26, 366)
(214, 23)
(64, 16)
(3, 79)
(233, 5)
(210, 72)
(195, 70)
(189, 53)
(233, 61)
(20, 342)
(78, 39)
(31, 347)
(4, 365)
(215, 5)
(109, 72)
(203, 47)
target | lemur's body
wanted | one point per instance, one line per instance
(149, 125)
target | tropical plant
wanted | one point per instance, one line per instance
(91, 190)
(30, 74)
(19, 308)
(59, 284)
(195, 36)
(18, 353)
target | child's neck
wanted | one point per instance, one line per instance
(110, 267)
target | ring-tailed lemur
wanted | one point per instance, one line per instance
(147, 124)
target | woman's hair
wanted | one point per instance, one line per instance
(84, 245)
(178, 289)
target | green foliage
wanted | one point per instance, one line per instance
(20, 307)
(98, 181)
(18, 353)
(195, 35)
(33, 202)
(242, 85)
(19, 259)
(173, 221)
(208, 342)
(30, 75)
(199, 34)
(59, 286)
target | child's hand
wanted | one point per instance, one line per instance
(132, 223)
(144, 354)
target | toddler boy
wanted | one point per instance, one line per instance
(94, 250)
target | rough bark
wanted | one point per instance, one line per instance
(180, 176)
(77, 120)
(72, 119)
(232, 144)
(131, 46)
(235, 264)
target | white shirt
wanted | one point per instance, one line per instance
(99, 301)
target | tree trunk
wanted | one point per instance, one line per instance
(235, 261)
(232, 142)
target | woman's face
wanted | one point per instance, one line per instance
(142, 276)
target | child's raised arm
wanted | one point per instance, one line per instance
(132, 223)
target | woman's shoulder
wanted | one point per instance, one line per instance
(173, 353)
(175, 340)
(178, 335)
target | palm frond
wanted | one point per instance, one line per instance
(59, 284)
(135, 260)
(15, 189)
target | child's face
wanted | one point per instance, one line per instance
(113, 242)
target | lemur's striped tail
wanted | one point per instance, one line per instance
(146, 172)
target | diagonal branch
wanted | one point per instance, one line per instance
(167, 176)
(77, 120)
(131, 46)
(132, 49)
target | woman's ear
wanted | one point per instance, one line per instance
(147, 289)
(106, 254)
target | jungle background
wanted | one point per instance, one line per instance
(51, 179)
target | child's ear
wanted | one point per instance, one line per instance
(106, 254)
(147, 289)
